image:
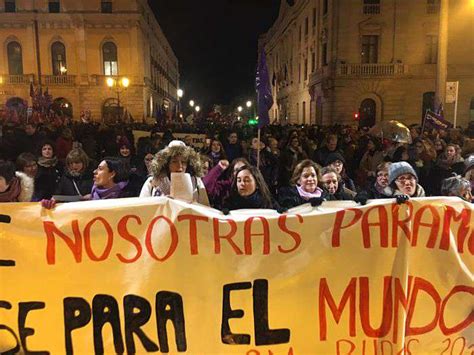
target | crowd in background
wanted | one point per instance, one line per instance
(296, 164)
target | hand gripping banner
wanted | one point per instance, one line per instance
(159, 275)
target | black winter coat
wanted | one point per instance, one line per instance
(83, 182)
(237, 202)
(46, 181)
(289, 197)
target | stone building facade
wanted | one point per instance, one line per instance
(332, 59)
(71, 47)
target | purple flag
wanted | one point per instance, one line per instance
(264, 91)
(437, 120)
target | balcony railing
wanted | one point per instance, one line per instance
(371, 9)
(370, 69)
(16, 79)
(67, 80)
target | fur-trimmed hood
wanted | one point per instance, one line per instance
(160, 163)
(27, 187)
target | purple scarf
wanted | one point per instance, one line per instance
(114, 192)
(307, 195)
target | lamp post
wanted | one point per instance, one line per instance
(119, 85)
(239, 109)
(180, 95)
(191, 103)
(197, 108)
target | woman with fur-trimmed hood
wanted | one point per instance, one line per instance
(14, 186)
(176, 158)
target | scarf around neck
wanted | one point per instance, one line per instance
(307, 195)
(47, 162)
(12, 193)
(113, 192)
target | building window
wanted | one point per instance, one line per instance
(299, 72)
(432, 6)
(306, 69)
(10, 6)
(106, 7)
(324, 54)
(428, 103)
(109, 56)
(325, 7)
(306, 26)
(431, 50)
(297, 112)
(300, 34)
(370, 49)
(58, 55)
(371, 7)
(313, 62)
(15, 59)
(54, 6)
(314, 17)
(304, 111)
(368, 113)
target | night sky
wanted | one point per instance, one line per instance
(216, 45)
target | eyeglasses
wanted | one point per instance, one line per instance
(403, 179)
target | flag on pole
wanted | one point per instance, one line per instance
(264, 91)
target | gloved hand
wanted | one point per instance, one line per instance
(402, 199)
(225, 211)
(361, 198)
(282, 210)
(48, 204)
(316, 201)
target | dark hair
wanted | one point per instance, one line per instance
(24, 159)
(118, 166)
(7, 170)
(47, 142)
(307, 163)
(328, 170)
(260, 183)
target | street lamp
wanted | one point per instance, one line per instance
(197, 108)
(119, 86)
(248, 104)
(180, 95)
(239, 108)
(191, 103)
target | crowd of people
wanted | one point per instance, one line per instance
(234, 169)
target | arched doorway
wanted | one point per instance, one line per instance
(368, 113)
(111, 112)
(62, 107)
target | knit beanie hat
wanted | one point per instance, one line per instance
(397, 169)
(332, 157)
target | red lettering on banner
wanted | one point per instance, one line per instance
(465, 218)
(336, 232)
(422, 285)
(325, 296)
(248, 235)
(382, 223)
(76, 246)
(402, 224)
(401, 297)
(125, 234)
(87, 239)
(433, 225)
(345, 351)
(387, 308)
(173, 234)
(217, 236)
(193, 229)
(295, 236)
(465, 323)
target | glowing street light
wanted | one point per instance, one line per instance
(125, 82)
(119, 86)
(191, 103)
(248, 104)
(239, 108)
(197, 108)
(180, 93)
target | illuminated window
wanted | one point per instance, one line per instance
(58, 55)
(15, 59)
(109, 55)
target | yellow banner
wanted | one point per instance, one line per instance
(137, 275)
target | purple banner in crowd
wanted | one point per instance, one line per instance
(264, 91)
(437, 120)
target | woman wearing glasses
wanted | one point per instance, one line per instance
(404, 181)
(380, 188)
